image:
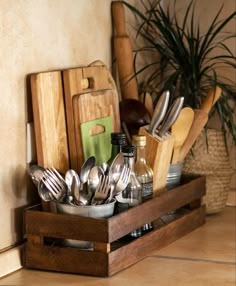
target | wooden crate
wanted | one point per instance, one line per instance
(112, 252)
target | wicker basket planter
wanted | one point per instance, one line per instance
(210, 158)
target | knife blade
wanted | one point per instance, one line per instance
(172, 115)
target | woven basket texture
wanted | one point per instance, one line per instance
(209, 158)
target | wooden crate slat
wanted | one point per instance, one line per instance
(140, 248)
(125, 222)
(66, 226)
(63, 259)
(108, 230)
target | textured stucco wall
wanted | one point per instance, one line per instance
(38, 35)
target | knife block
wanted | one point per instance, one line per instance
(158, 157)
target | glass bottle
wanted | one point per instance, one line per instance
(132, 195)
(143, 172)
(118, 140)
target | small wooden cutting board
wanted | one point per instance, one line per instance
(97, 99)
(96, 137)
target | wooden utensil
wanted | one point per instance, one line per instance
(123, 53)
(199, 121)
(134, 114)
(180, 130)
(49, 120)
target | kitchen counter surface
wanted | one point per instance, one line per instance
(206, 256)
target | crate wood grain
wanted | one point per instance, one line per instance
(110, 255)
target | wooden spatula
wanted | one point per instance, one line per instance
(180, 130)
(199, 121)
(123, 53)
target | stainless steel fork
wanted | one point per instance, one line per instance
(121, 184)
(123, 180)
(55, 183)
(102, 191)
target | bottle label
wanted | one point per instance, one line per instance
(147, 189)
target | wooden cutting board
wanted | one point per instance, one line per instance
(96, 138)
(90, 93)
(59, 145)
(49, 120)
(87, 107)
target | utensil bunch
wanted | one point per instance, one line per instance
(93, 185)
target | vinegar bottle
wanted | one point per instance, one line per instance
(132, 195)
(143, 172)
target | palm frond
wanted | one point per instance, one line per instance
(187, 57)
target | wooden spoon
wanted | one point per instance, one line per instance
(180, 130)
(200, 120)
(134, 114)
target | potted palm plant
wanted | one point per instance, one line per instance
(180, 55)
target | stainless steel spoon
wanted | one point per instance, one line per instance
(69, 177)
(44, 193)
(36, 174)
(73, 181)
(116, 168)
(85, 169)
(94, 177)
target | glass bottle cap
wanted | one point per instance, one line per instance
(118, 138)
(128, 150)
(139, 140)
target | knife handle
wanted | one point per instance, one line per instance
(172, 115)
(159, 111)
(213, 95)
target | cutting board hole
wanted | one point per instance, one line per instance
(87, 83)
(97, 129)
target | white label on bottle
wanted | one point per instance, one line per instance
(147, 189)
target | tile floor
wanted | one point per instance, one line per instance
(206, 256)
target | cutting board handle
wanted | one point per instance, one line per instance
(97, 129)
